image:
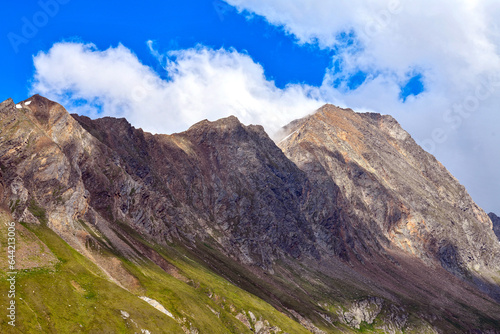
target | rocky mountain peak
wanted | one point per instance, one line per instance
(7, 102)
(392, 183)
(43, 109)
(225, 126)
(223, 123)
(222, 127)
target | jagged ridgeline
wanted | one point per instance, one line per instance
(342, 225)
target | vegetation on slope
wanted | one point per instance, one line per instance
(73, 295)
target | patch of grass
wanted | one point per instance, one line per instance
(57, 195)
(38, 212)
(13, 205)
(75, 296)
(204, 290)
(48, 302)
(101, 239)
(365, 327)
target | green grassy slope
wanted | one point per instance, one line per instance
(58, 290)
(73, 295)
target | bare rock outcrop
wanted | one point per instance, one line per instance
(397, 191)
(496, 224)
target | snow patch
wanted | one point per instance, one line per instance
(27, 103)
(157, 306)
(18, 106)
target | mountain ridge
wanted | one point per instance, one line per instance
(320, 219)
(394, 145)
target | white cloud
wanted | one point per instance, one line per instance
(453, 43)
(202, 84)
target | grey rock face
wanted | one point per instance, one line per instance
(219, 180)
(44, 180)
(397, 191)
(365, 310)
(496, 224)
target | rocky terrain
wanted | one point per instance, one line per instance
(342, 225)
(402, 194)
(496, 223)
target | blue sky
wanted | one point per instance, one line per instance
(172, 24)
(434, 66)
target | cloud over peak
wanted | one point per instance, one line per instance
(201, 83)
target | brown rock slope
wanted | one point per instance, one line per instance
(407, 198)
(220, 181)
(348, 225)
(410, 204)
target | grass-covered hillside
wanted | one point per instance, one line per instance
(60, 291)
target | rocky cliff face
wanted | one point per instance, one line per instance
(496, 223)
(221, 181)
(40, 152)
(398, 192)
(345, 223)
(231, 180)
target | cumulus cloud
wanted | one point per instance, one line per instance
(452, 44)
(201, 83)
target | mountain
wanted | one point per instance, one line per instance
(496, 223)
(400, 193)
(344, 225)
